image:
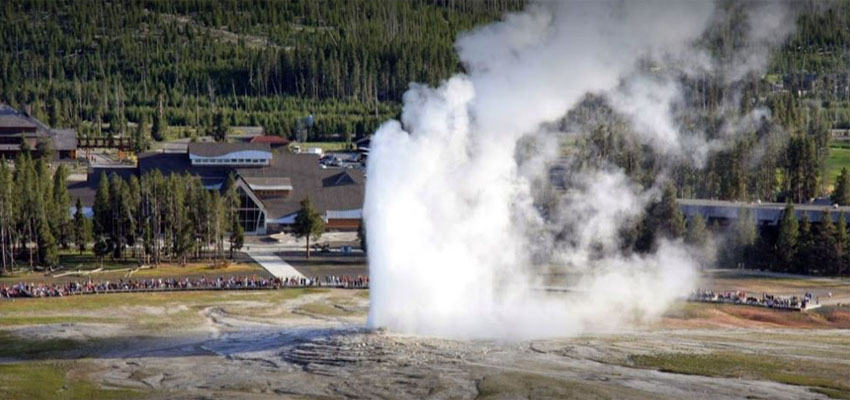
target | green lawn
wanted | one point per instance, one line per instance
(142, 311)
(325, 146)
(53, 380)
(827, 378)
(839, 157)
(117, 269)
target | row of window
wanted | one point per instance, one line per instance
(229, 161)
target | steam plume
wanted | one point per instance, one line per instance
(454, 229)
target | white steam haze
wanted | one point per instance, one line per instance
(454, 235)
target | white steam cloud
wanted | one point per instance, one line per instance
(452, 224)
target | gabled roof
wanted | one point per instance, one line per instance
(63, 139)
(220, 149)
(340, 179)
(12, 118)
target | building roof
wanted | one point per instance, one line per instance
(64, 139)
(270, 139)
(308, 178)
(15, 121)
(763, 213)
(328, 189)
(268, 183)
(12, 118)
(345, 214)
(220, 149)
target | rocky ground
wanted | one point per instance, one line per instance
(314, 344)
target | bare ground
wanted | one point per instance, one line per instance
(315, 345)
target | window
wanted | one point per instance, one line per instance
(250, 216)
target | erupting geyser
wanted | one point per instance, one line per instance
(455, 235)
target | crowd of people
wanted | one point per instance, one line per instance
(765, 300)
(24, 289)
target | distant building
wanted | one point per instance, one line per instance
(273, 141)
(765, 214)
(271, 184)
(20, 130)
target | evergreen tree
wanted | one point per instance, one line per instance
(826, 247)
(697, 232)
(841, 193)
(669, 219)
(61, 218)
(7, 220)
(28, 204)
(102, 209)
(220, 127)
(663, 219)
(805, 245)
(786, 242)
(158, 127)
(178, 217)
(141, 142)
(44, 148)
(308, 223)
(218, 223)
(48, 254)
(842, 240)
(232, 203)
(121, 214)
(82, 228)
(101, 248)
(237, 236)
(54, 111)
(746, 235)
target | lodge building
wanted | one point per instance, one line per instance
(20, 130)
(271, 183)
(764, 214)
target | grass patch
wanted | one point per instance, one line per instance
(72, 304)
(73, 260)
(52, 380)
(172, 270)
(146, 312)
(13, 346)
(832, 393)
(688, 310)
(839, 157)
(163, 271)
(833, 378)
(523, 385)
(323, 309)
(17, 320)
(325, 146)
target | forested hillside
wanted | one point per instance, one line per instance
(95, 65)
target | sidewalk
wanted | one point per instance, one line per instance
(271, 262)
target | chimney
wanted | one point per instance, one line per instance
(28, 110)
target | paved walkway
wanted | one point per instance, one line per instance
(266, 257)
